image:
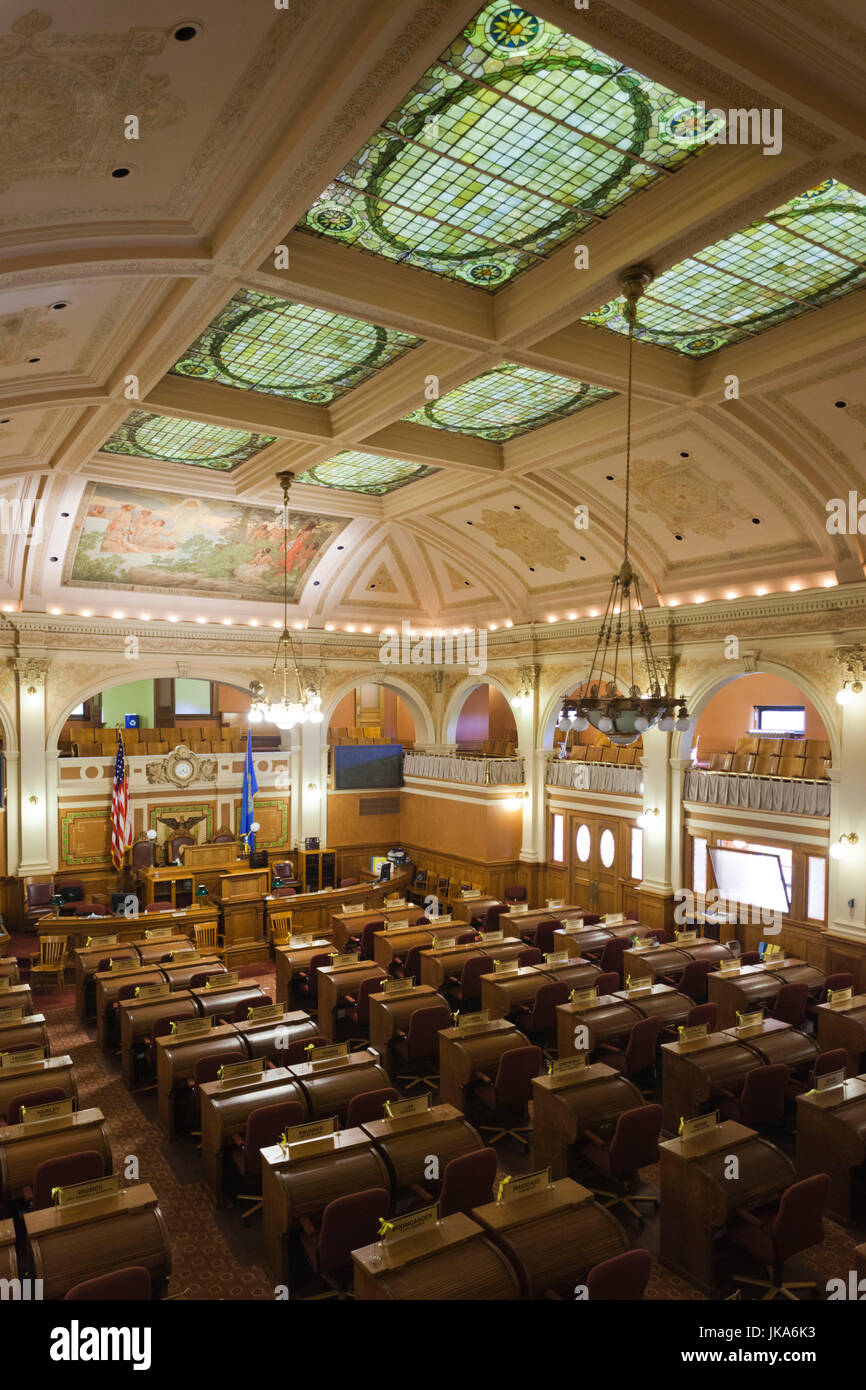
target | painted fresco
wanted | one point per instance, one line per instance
(170, 544)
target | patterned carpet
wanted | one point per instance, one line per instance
(214, 1257)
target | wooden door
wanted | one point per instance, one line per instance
(596, 862)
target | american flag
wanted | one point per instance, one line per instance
(121, 814)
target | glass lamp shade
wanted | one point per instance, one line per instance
(844, 696)
(255, 715)
(315, 716)
(838, 850)
(623, 715)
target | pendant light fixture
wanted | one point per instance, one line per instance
(294, 703)
(624, 635)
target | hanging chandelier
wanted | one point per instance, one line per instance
(624, 633)
(297, 703)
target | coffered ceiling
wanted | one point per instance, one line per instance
(379, 244)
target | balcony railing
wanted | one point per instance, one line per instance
(594, 777)
(493, 772)
(792, 795)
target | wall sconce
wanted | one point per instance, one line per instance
(31, 690)
(515, 803)
(523, 699)
(848, 691)
(34, 800)
(840, 849)
(313, 792)
(151, 834)
(645, 819)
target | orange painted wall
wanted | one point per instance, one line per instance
(347, 827)
(730, 713)
(486, 714)
(398, 722)
(487, 834)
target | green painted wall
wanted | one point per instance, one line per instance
(136, 697)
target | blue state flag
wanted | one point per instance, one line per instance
(251, 786)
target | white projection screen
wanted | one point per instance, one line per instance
(744, 876)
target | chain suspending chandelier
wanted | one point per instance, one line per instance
(284, 709)
(624, 633)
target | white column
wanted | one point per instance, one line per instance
(51, 785)
(657, 796)
(35, 810)
(847, 876)
(308, 786)
(676, 782)
(13, 812)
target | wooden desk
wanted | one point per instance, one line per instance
(240, 898)
(107, 985)
(779, 1042)
(9, 969)
(697, 1199)
(464, 909)
(137, 1018)
(17, 997)
(756, 986)
(671, 960)
(272, 1039)
(694, 1072)
(567, 1105)
(66, 1245)
(501, 995)
(328, 1087)
(221, 1001)
(609, 1019)
(388, 945)
(588, 942)
(442, 962)
(831, 1138)
(152, 951)
(407, 1145)
(304, 1187)
(553, 1237)
(290, 960)
(664, 1002)
(24, 1147)
(313, 911)
(8, 1258)
(176, 1058)
(171, 884)
(223, 856)
(189, 964)
(452, 1260)
(225, 1111)
(85, 962)
(334, 984)
(525, 924)
(392, 1012)
(37, 1076)
(127, 929)
(845, 1027)
(464, 1052)
(30, 1032)
(343, 925)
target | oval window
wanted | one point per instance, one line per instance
(584, 843)
(607, 848)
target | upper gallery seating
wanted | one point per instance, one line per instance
(775, 757)
(201, 738)
(367, 734)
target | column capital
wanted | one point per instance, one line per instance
(31, 670)
(680, 764)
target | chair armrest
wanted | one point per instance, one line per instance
(237, 1140)
(483, 1078)
(422, 1192)
(728, 1095)
(745, 1215)
(308, 1228)
(401, 1034)
(350, 1000)
(593, 1137)
(553, 1295)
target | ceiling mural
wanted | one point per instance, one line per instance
(261, 343)
(368, 473)
(508, 401)
(528, 539)
(167, 543)
(519, 136)
(174, 440)
(686, 497)
(796, 258)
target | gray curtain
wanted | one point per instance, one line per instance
(498, 772)
(595, 777)
(759, 793)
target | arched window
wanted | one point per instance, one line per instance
(583, 843)
(607, 848)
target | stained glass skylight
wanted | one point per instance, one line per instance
(799, 256)
(261, 343)
(518, 137)
(183, 441)
(507, 401)
(368, 473)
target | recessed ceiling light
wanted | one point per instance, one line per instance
(491, 627)
(677, 537)
(829, 583)
(756, 521)
(187, 30)
(368, 629)
(508, 622)
(56, 612)
(794, 588)
(145, 617)
(593, 612)
(673, 603)
(118, 615)
(120, 173)
(6, 420)
(61, 304)
(684, 454)
(730, 596)
(551, 617)
(700, 598)
(760, 592)
(86, 613)
(173, 618)
(227, 622)
(254, 622)
(571, 617)
(7, 608)
(34, 359)
(350, 627)
(53, 559)
(297, 626)
(329, 627)
(276, 623)
(840, 405)
(198, 620)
